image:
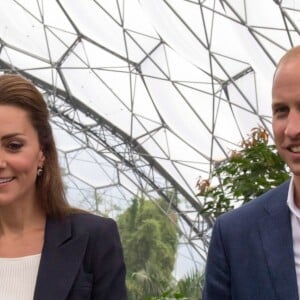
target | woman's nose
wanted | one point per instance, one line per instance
(2, 160)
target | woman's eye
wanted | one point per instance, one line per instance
(14, 146)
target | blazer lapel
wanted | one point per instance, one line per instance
(60, 261)
(277, 243)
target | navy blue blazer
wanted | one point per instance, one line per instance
(81, 259)
(251, 252)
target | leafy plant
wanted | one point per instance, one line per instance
(188, 288)
(245, 175)
(169, 295)
(149, 240)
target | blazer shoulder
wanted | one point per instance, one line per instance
(87, 222)
(273, 200)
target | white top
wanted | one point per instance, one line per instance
(18, 277)
(295, 224)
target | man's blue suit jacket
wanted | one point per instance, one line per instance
(251, 252)
(81, 259)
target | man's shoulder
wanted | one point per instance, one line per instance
(274, 199)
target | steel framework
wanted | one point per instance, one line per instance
(155, 93)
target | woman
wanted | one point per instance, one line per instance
(48, 250)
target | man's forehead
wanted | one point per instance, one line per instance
(288, 65)
(292, 54)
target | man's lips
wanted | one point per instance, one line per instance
(295, 149)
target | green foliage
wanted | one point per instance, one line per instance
(169, 295)
(244, 176)
(149, 240)
(188, 288)
(191, 286)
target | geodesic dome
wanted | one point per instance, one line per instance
(146, 96)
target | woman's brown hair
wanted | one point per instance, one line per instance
(18, 91)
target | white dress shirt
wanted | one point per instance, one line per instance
(295, 223)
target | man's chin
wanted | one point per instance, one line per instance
(295, 171)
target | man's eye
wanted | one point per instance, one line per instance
(280, 110)
(14, 146)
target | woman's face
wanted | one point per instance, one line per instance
(20, 156)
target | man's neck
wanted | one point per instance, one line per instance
(296, 181)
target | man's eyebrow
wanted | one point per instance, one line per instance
(275, 104)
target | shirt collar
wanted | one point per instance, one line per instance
(290, 200)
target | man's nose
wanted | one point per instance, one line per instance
(292, 129)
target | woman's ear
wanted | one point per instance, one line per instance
(41, 158)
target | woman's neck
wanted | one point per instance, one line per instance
(18, 219)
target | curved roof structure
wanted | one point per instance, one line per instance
(147, 96)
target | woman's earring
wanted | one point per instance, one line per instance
(39, 171)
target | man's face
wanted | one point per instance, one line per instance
(286, 112)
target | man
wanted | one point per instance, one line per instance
(254, 252)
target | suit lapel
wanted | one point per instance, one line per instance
(60, 261)
(277, 243)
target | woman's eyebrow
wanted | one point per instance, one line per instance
(10, 135)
